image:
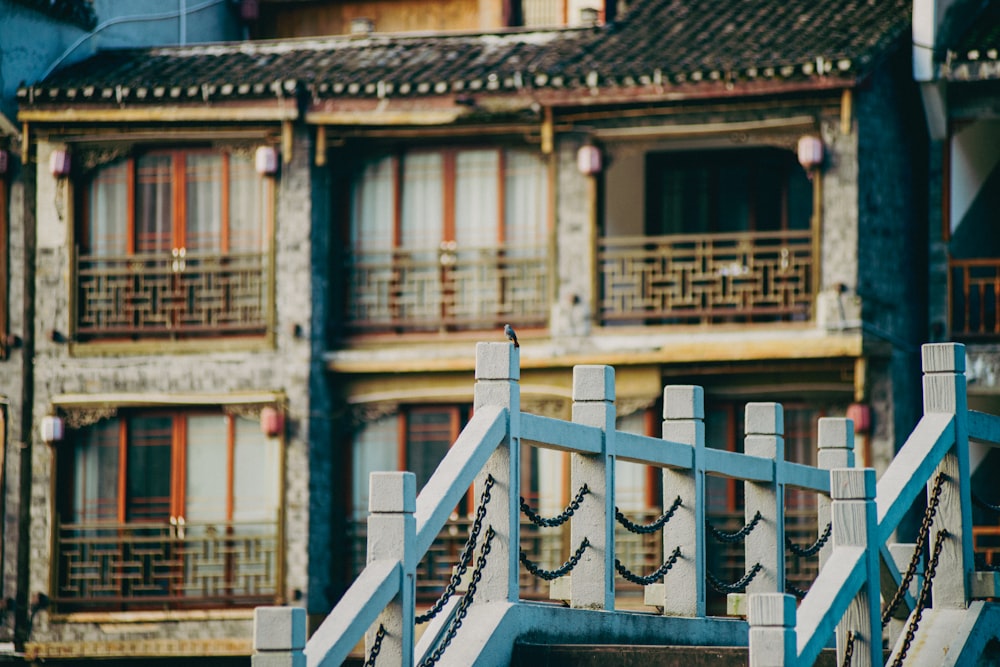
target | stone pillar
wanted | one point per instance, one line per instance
(593, 579)
(279, 637)
(765, 428)
(392, 534)
(836, 450)
(684, 422)
(772, 630)
(498, 370)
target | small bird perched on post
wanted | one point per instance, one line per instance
(509, 332)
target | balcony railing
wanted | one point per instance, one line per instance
(187, 294)
(447, 288)
(706, 278)
(975, 298)
(113, 566)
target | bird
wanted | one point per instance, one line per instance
(509, 332)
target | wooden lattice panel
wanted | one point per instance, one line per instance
(763, 276)
(975, 298)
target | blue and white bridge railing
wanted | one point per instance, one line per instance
(481, 626)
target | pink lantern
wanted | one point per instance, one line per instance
(272, 422)
(59, 163)
(266, 160)
(861, 415)
(588, 159)
(52, 429)
(810, 152)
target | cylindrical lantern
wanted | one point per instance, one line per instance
(861, 415)
(52, 428)
(588, 159)
(272, 421)
(810, 152)
(266, 160)
(59, 163)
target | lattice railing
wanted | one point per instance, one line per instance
(975, 298)
(137, 565)
(447, 288)
(154, 295)
(707, 278)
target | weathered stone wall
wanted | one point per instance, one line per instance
(286, 368)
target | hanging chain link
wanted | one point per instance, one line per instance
(806, 552)
(466, 557)
(737, 587)
(923, 598)
(739, 535)
(376, 646)
(463, 606)
(795, 590)
(918, 550)
(564, 569)
(639, 529)
(849, 649)
(652, 578)
(573, 506)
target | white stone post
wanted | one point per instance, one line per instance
(592, 583)
(392, 531)
(279, 637)
(855, 523)
(945, 392)
(684, 422)
(836, 450)
(772, 630)
(498, 370)
(765, 544)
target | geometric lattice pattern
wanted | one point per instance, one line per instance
(447, 288)
(153, 295)
(136, 565)
(975, 298)
(698, 279)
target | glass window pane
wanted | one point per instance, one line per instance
(248, 206)
(108, 215)
(207, 472)
(154, 204)
(95, 473)
(375, 448)
(476, 198)
(428, 438)
(148, 473)
(526, 198)
(203, 183)
(256, 473)
(630, 478)
(372, 196)
(423, 205)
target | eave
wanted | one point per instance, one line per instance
(271, 111)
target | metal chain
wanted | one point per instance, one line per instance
(737, 587)
(564, 569)
(652, 578)
(463, 606)
(849, 649)
(649, 528)
(466, 557)
(918, 550)
(805, 552)
(376, 646)
(923, 598)
(795, 590)
(739, 535)
(556, 520)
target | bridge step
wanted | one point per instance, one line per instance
(587, 655)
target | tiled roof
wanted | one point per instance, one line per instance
(658, 43)
(974, 54)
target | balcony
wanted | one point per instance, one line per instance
(975, 299)
(184, 295)
(146, 565)
(751, 277)
(447, 288)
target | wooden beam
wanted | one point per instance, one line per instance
(159, 114)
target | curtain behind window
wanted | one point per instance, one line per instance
(107, 234)
(95, 473)
(203, 192)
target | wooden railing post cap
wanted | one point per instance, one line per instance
(771, 609)
(852, 483)
(836, 433)
(683, 401)
(593, 383)
(498, 361)
(764, 419)
(279, 628)
(392, 492)
(943, 357)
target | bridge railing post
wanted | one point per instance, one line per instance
(945, 392)
(279, 637)
(592, 583)
(772, 630)
(855, 523)
(392, 499)
(684, 422)
(498, 372)
(836, 450)
(765, 544)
